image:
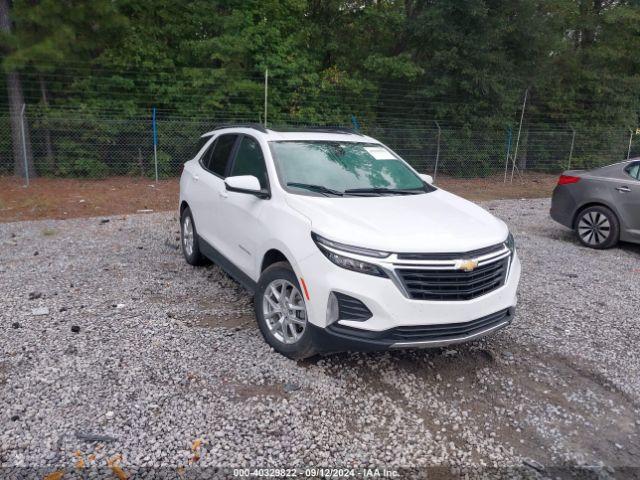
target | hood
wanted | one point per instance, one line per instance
(433, 222)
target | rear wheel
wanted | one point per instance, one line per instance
(189, 240)
(282, 313)
(597, 227)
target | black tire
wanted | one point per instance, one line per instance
(597, 227)
(194, 257)
(303, 347)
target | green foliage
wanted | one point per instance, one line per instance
(51, 32)
(78, 160)
(394, 64)
(166, 168)
(5, 145)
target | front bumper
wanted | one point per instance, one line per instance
(337, 338)
(389, 307)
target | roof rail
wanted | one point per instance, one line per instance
(255, 126)
(262, 128)
(318, 129)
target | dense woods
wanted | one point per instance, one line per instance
(90, 73)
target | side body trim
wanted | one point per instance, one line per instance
(223, 262)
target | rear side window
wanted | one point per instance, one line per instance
(202, 141)
(218, 156)
(250, 161)
(634, 170)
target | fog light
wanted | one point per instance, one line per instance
(333, 311)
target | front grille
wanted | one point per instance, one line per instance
(453, 284)
(350, 308)
(451, 256)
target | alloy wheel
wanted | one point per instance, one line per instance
(594, 228)
(187, 235)
(284, 311)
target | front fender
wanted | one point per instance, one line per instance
(299, 244)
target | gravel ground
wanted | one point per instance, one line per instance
(105, 330)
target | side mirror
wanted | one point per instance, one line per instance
(245, 184)
(426, 178)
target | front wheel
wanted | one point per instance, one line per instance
(597, 227)
(282, 313)
(189, 239)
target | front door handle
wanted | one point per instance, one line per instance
(623, 189)
(223, 193)
(196, 178)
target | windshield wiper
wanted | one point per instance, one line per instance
(382, 190)
(315, 188)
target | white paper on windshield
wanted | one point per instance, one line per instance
(380, 153)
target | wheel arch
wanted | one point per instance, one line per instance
(594, 203)
(272, 256)
(183, 205)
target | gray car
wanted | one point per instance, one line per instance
(602, 205)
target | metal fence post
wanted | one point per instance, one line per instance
(435, 169)
(573, 141)
(515, 153)
(266, 94)
(355, 123)
(506, 160)
(630, 140)
(24, 145)
(155, 141)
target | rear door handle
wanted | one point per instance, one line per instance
(623, 189)
(196, 178)
(223, 193)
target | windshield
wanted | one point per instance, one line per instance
(331, 168)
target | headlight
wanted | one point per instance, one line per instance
(367, 252)
(328, 247)
(510, 243)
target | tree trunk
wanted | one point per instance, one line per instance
(22, 156)
(51, 162)
(16, 100)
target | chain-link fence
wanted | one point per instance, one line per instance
(76, 144)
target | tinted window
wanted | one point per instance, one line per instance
(217, 161)
(250, 161)
(634, 170)
(202, 141)
(204, 158)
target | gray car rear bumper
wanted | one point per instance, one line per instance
(563, 206)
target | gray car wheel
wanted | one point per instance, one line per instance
(597, 227)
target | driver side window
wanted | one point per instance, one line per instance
(250, 161)
(634, 170)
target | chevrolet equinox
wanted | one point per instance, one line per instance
(343, 244)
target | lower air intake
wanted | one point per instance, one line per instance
(350, 308)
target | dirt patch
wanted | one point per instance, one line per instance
(245, 392)
(539, 403)
(529, 185)
(224, 321)
(61, 198)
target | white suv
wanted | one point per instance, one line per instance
(345, 246)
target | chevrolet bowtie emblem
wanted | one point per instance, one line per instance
(467, 265)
